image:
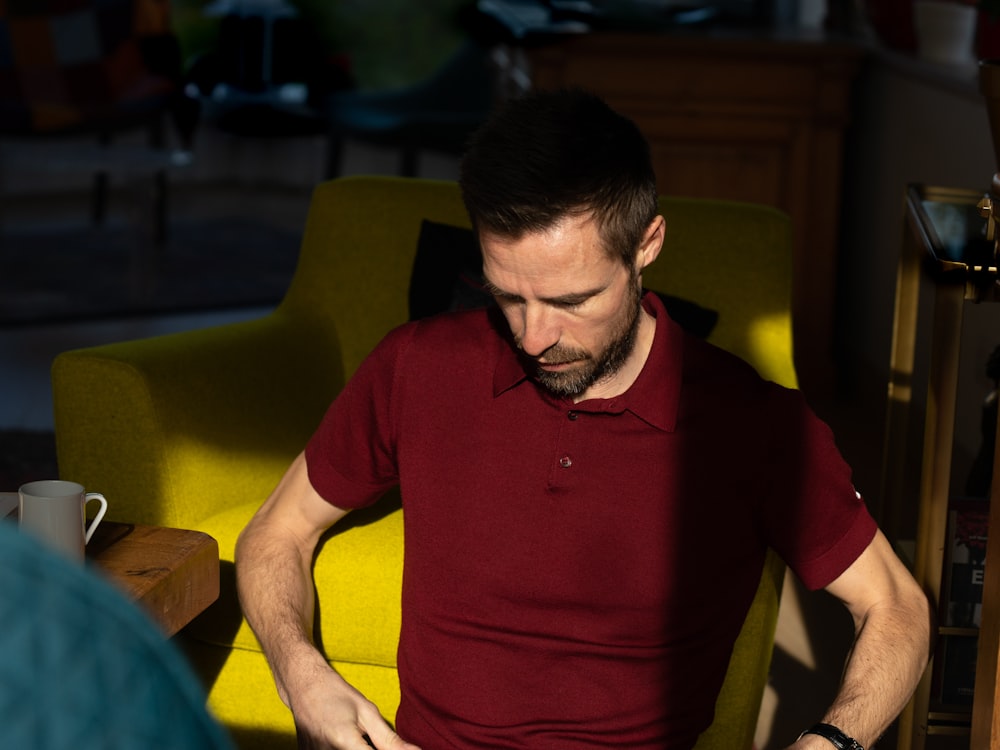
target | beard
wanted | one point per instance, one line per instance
(591, 367)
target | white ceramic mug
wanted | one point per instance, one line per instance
(54, 511)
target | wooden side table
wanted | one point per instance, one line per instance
(172, 573)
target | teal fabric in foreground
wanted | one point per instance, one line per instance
(82, 668)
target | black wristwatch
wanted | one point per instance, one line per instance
(837, 738)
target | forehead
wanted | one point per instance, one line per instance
(567, 253)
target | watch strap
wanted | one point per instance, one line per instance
(836, 737)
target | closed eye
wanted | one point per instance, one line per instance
(564, 302)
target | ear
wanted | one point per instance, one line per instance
(652, 243)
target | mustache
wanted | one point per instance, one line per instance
(555, 355)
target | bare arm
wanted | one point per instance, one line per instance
(274, 579)
(892, 620)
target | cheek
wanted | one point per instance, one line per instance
(591, 334)
(602, 328)
(599, 333)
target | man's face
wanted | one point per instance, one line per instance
(573, 310)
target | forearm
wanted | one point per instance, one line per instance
(274, 557)
(274, 582)
(886, 662)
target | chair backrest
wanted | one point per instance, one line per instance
(81, 668)
(734, 258)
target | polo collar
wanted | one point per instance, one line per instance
(654, 397)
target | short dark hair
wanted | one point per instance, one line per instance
(550, 154)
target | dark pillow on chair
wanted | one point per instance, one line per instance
(447, 271)
(447, 275)
(697, 320)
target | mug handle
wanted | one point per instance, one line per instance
(100, 513)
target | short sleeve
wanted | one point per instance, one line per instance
(351, 457)
(814, 516)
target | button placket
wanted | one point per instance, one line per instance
(566, 461)
(567, 447)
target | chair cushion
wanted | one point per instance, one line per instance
(358, 624)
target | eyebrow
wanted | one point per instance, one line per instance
(573, 298)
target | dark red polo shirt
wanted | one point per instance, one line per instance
(575, 574)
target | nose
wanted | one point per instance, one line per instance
(539, 329)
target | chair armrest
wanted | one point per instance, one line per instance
(176, 428)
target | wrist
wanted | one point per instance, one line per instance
(833, 736)
(299, 666)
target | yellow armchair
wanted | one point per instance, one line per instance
(194, 429)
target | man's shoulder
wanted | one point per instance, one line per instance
(448, 336)
(461, 328)
(706, 361)
(730, 382)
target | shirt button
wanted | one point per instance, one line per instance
(565, 462)
(573, 415)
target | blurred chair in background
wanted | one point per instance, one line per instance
(272, 75)
(94, 68)
(436, 114)
(269, 72)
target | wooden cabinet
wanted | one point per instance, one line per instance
(945, 265)
(757, 119)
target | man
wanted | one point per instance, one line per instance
(588, 491)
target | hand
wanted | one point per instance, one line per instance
(332, 715)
